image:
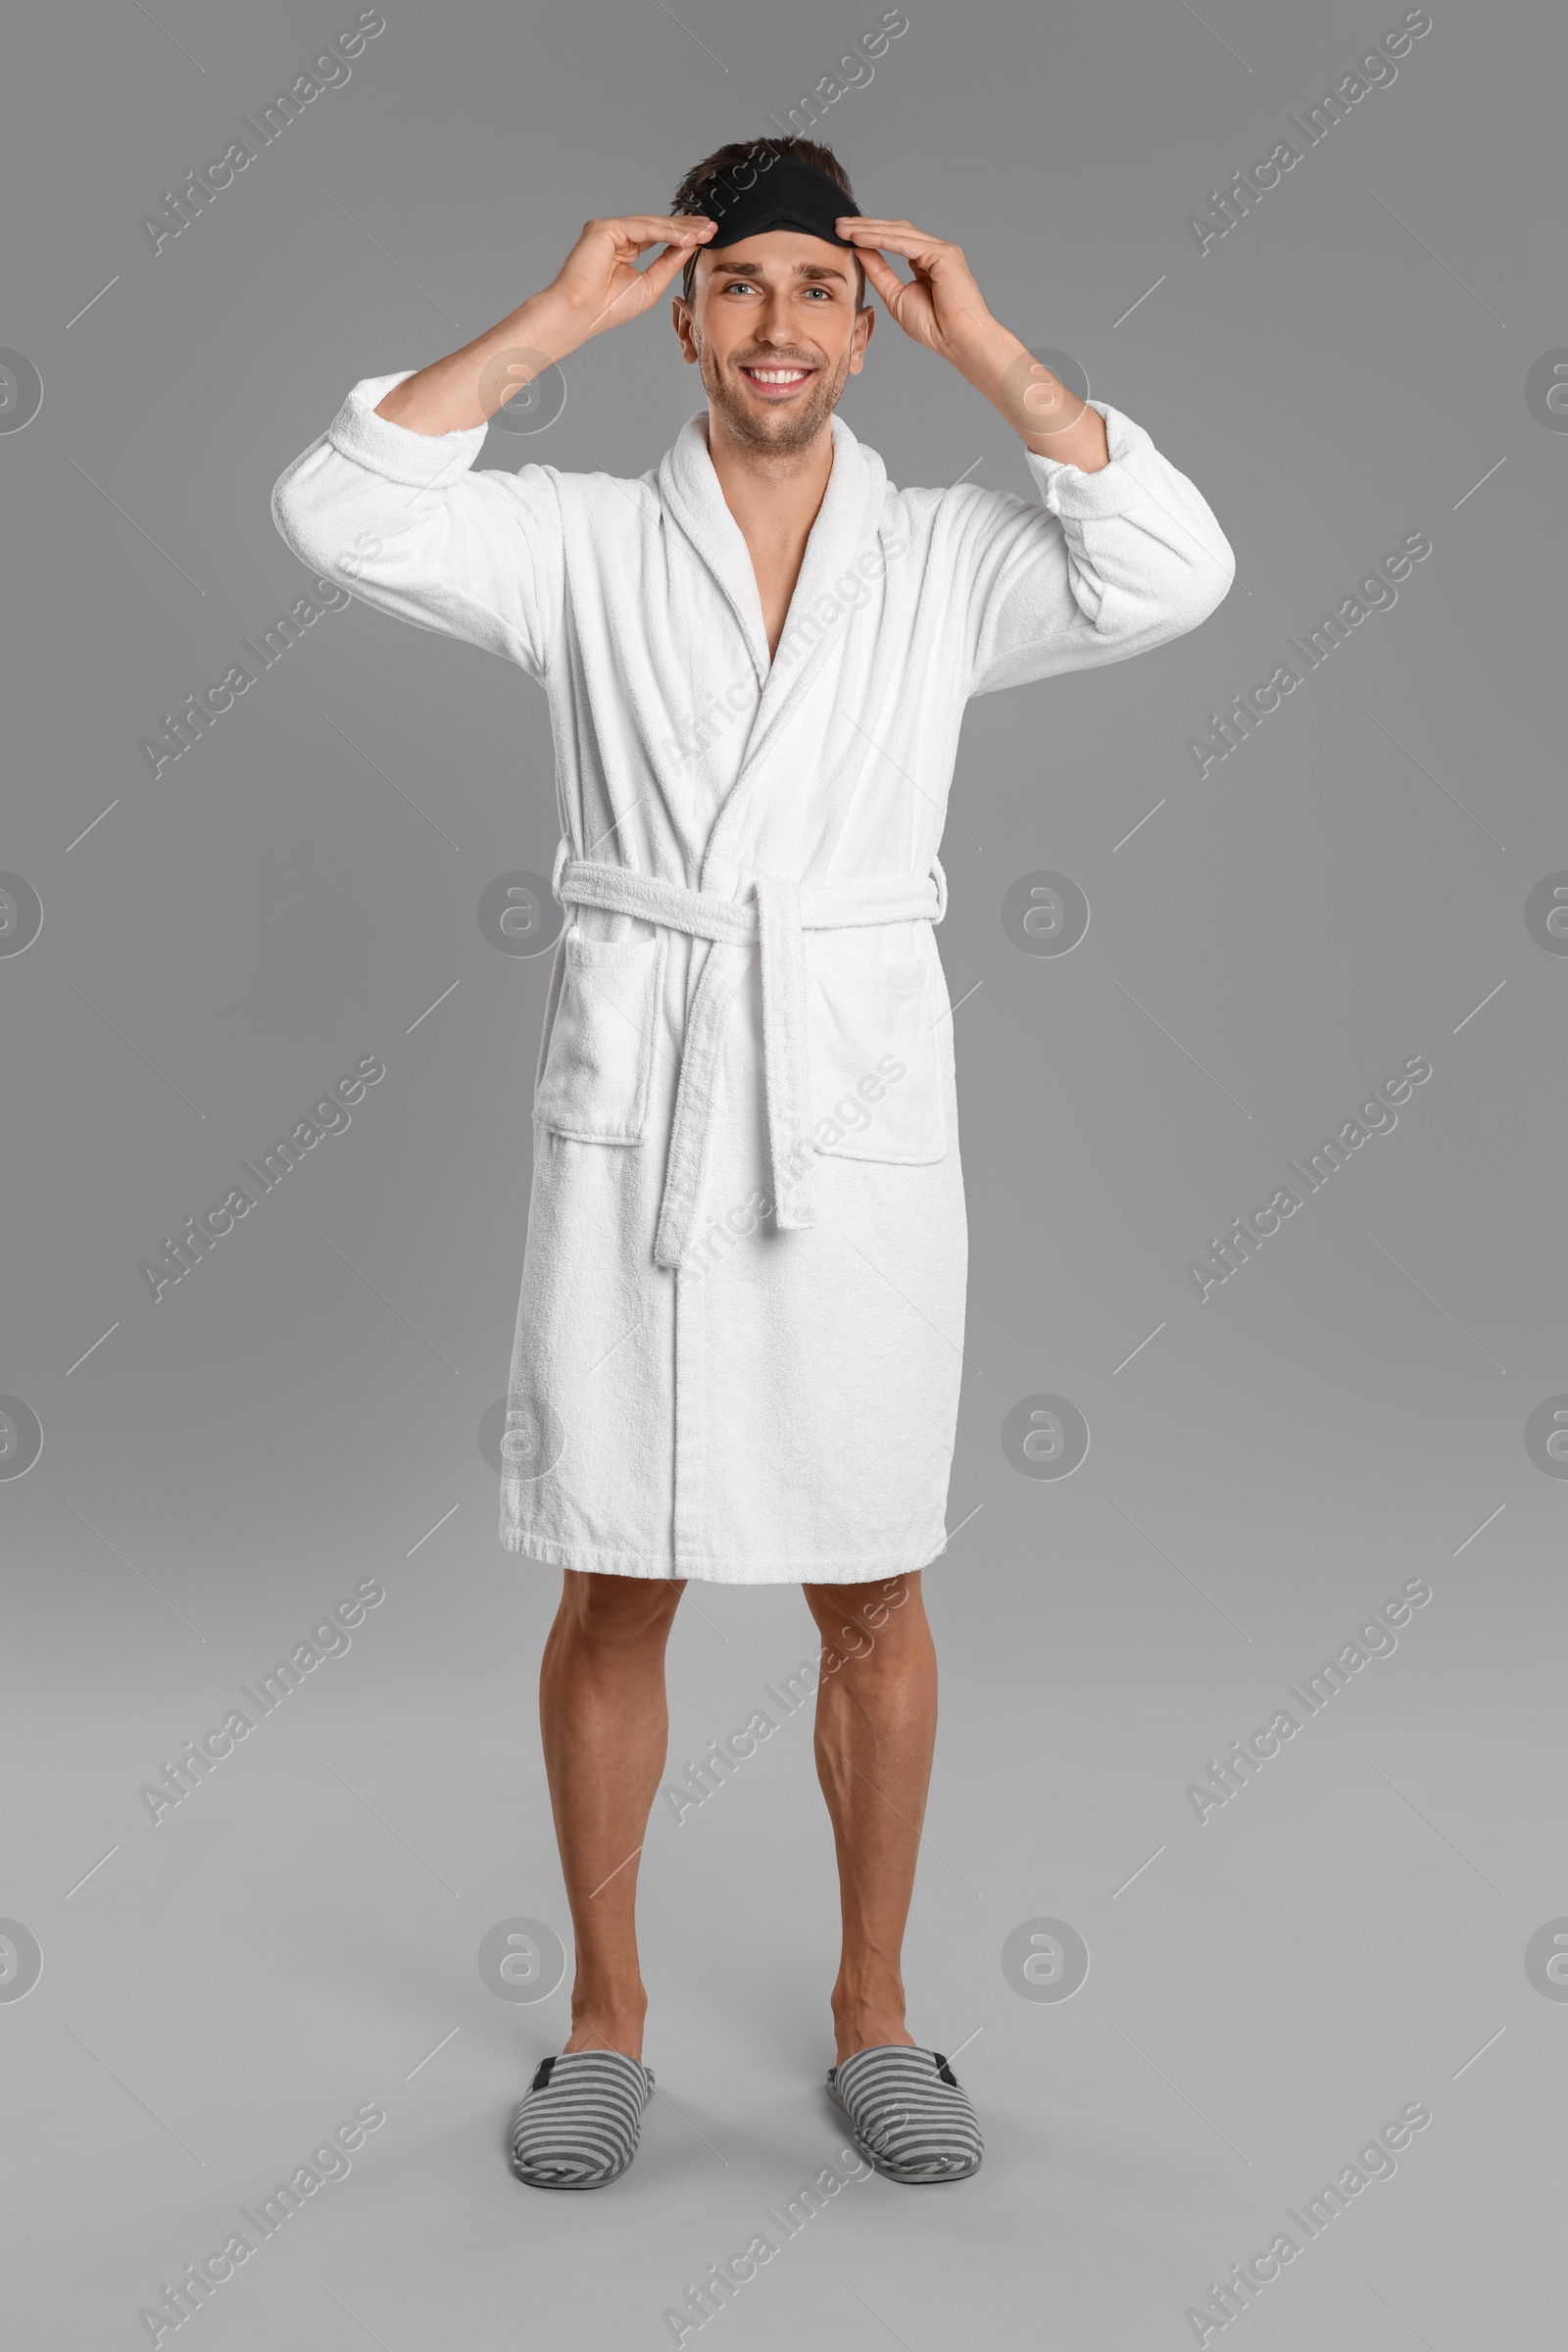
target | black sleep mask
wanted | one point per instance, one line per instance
(777, 194)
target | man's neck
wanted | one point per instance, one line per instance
(773, 494)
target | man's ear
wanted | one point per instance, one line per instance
(860, 341)
(680, 313)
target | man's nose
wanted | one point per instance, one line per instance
(775, 326)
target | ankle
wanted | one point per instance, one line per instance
(869, 2034)
(869, 2020)
(612, 2022)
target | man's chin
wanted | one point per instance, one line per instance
(770, 424)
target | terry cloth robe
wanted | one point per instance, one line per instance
(740, 1334)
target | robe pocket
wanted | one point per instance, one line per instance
(598, 1062)
(875, 1074)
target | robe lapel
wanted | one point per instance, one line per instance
(846, 523)
(689, 492)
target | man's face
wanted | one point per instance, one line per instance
(773, 330)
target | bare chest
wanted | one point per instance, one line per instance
(777, 567)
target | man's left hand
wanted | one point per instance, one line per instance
(943, 309)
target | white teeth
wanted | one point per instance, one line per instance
(779, 376)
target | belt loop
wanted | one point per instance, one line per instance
(941, 890)
(563, 852)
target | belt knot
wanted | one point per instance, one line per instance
(776, 919)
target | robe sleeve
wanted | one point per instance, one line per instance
(401, 521)
(1107, 566)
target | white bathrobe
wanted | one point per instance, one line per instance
(740, 1336)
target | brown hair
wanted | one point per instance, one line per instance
(700, 181)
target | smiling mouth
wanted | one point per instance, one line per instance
(777, 381)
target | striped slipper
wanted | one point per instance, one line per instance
(579, 2120)
(909, 2116)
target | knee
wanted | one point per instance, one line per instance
(857, 1621)
(617, 1611)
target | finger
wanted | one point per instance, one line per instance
(898, 236)
(663, 268)
(892, 233)
(879, 272)
(885, 281)
(639, 231)
(660, 224)
(692, 231)
(850, 221)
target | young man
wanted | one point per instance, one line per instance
(738, 1342)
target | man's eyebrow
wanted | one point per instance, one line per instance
(745, 268)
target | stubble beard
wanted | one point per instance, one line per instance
(779, 433)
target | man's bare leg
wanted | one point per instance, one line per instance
(605, 1728)
(876, 1720)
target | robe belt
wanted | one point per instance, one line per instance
(775, 919)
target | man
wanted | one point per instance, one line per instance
(737, 1342)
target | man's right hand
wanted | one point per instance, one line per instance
(600, 282)
(599, 285)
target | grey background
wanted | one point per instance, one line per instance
(219, 1991)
